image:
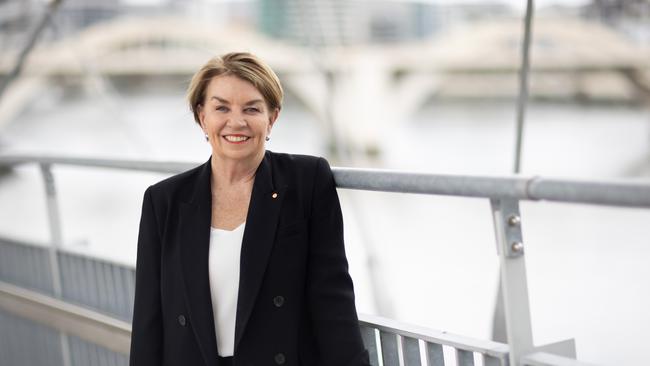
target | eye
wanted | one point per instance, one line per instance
(252, 110)
(221, 108)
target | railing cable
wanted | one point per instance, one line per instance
(523, 83)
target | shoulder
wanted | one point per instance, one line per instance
(178, 180)
(298, 162)
(299, 169)
(177, 186)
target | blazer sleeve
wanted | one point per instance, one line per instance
(147, 330)
(329, 288)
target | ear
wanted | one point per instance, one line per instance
(201, 116)
(272, 118)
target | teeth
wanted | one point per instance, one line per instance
(236, 138)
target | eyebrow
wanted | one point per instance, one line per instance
(224, 101)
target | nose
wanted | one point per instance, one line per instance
(237, 119)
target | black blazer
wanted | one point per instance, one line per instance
(296, 299)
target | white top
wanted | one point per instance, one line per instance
(223, 266)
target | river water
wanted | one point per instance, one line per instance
(436, 258)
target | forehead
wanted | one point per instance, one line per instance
(232, 88)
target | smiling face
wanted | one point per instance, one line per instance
(236, 119)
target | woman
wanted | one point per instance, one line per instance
(241, 260)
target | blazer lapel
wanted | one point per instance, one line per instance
(194, 222)
(259, 234)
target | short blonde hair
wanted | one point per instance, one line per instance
(243, 65)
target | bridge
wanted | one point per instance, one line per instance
(479, 62)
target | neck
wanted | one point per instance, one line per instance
(229, 171)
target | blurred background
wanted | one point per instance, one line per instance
(427, 86)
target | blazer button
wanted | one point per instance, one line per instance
(181, 320)
(280, 359)
(278, 301)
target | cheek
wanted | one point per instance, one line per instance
(213, 122)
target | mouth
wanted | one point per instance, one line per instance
(236, 139)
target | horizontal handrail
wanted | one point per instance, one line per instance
(90, 325)
(122, 164)
(610, 193)
(625, 193)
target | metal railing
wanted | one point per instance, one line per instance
(405, 344)
(88, 297)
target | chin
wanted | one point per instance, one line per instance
(240, 154)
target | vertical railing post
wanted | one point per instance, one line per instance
(56, 241)
(514, 285)
(522, 101)
(54, 221)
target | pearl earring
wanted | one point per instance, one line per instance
(267, 138)
(206, 137)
